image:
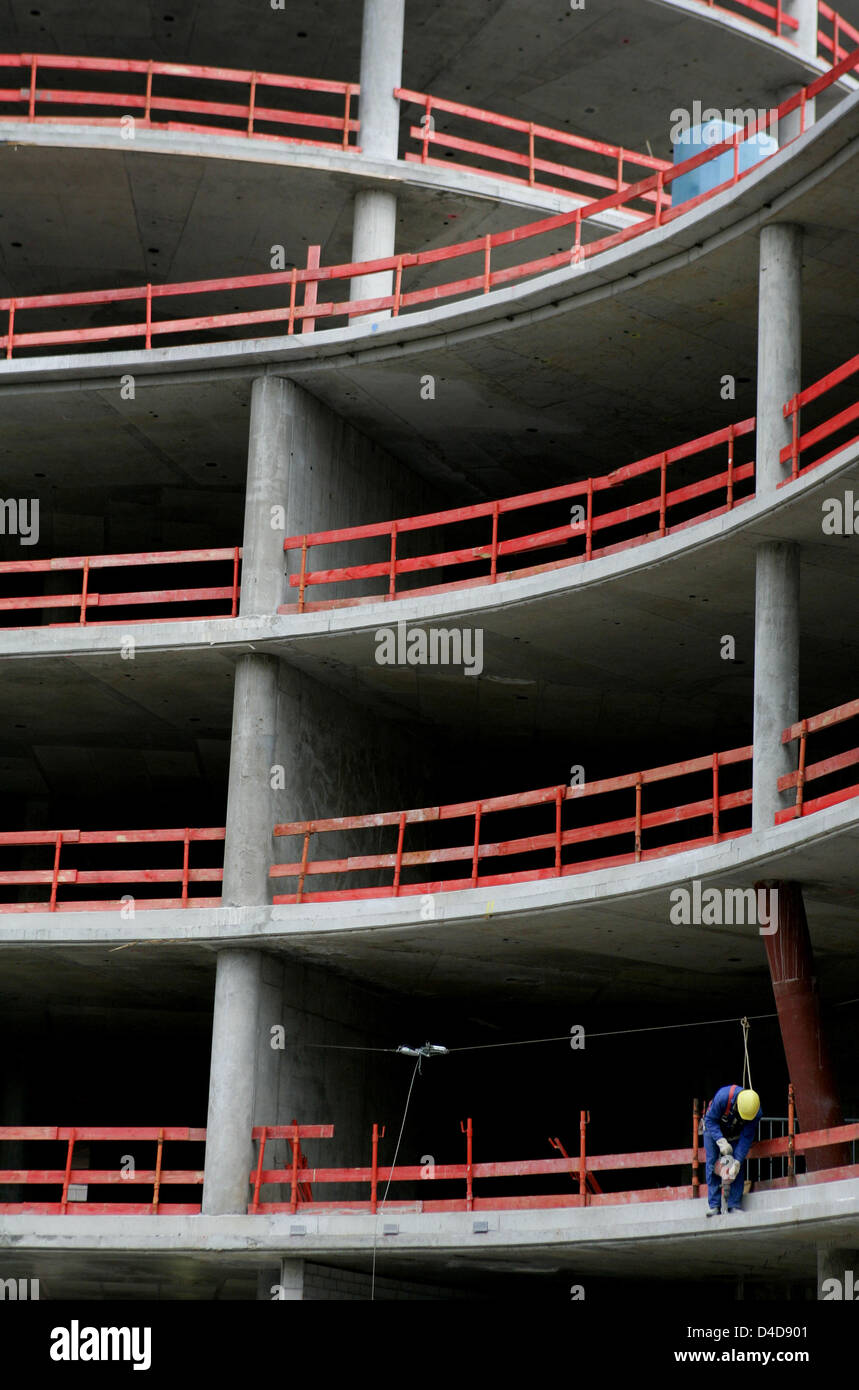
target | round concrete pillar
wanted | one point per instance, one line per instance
(250, 814)
(375, 214)
(232, 1081)
(779, 347)
(266, 487)
(776, 688)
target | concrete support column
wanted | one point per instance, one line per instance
(250, 811)
(232, 1079)
(286, 1278)
(805, 39)
(375, 216)
(776, 693)
(777, 568)
(239, 984)
(779, 346)
(794, 123)
(791, 963)
(805, 13)
(267, 486)
(291, 1280)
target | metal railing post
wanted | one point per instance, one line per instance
(466, 1127)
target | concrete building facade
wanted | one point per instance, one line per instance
(256, 327)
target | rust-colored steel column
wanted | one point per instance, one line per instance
(791, 963)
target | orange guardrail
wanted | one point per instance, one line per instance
(159, 96)
(301, 1177)
(825, 768)
(580, 1168)
(125, 1175)
(90, 603)
(527, 159)
(832, 425)
(628, 511)
(479, 278)
(86, 844)
(711, 804)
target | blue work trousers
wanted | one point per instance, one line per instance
(714, 1182)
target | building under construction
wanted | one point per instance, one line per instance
(429, 495)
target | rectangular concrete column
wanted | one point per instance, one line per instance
(791, 963)
(291, 1280)
(375, 214)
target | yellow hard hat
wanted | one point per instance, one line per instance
(748, 1104)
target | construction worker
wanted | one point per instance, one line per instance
(730, 1126)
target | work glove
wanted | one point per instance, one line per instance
(724, 1148)
(731, 1168)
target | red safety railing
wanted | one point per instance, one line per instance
(56, 877)
(529, 158)
(481, 280)
(122, 1175)
(800, 442)
(553, 843)
(774, 18)
(89, 603)
(829, 38)
(301, 1178)
(125, 1175)
(549, 844)
(580, 1168)
(632, 517)
(301, 1190)
(157, 97)
(647, 518)
(828, 767)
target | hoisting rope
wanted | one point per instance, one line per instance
(393, 1166)
(747, 1070)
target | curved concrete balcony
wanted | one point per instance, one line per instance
(459, 934)
(809, 171)
(782, 1228)
(711, 548)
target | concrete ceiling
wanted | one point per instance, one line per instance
(166, 218)
(538, 60)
